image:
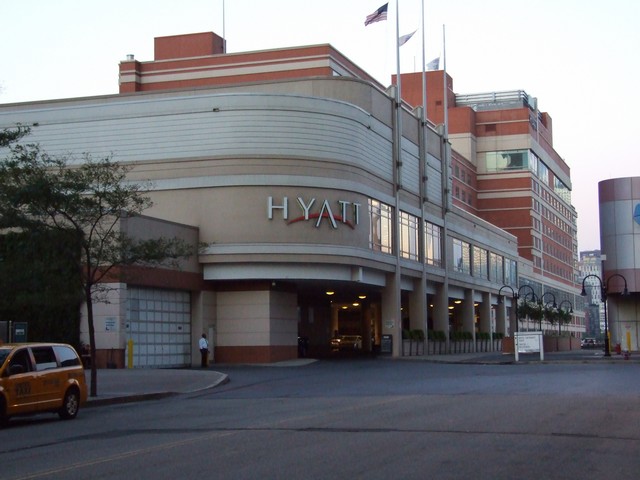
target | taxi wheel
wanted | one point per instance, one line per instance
(70, 405)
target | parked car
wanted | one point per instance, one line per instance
(41, 377)
(347, 342)
(588, 343)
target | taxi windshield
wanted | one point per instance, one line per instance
(4, 352)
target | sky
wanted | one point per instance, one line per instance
(579, 58)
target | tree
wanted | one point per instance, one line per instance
(89, 199)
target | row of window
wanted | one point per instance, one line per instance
(467, 259)
(528, 160)
(482, 263)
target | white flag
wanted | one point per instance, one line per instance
(434, 64)
(405, 38)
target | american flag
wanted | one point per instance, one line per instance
(377, 16)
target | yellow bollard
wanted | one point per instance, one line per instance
(628, 341)
(130, 354)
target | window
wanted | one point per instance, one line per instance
(45, 358)
(409, 236)
(562, 190)
(22, 360)
(510, 272)
(433, 247)
(480, 263)
(380, 233)
(543, 173)
(496, 266)
(507, 160)
(461, 256)
(66, 355)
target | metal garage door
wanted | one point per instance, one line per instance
(159, 323)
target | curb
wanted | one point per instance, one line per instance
(139, 397)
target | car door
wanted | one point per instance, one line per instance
(20, 382)
(48, 382)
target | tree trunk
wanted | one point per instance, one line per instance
(92, 341)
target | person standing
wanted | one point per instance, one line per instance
(203, 344)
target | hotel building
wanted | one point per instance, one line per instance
(327, 206)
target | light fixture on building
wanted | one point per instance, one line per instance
(362, 297)
(330, 292)
(355, 304)
(457, 302)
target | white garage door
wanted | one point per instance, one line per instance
(159, 323)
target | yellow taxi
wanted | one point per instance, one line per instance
(40, 377)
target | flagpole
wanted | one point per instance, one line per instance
(424, 71)
(424, 160)
(397, 168)
(446, 89)
(445, 140)
(398, 81)
(224, 34)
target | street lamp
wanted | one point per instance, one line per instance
(604, 287)
(570, 312)
(516, 295)
(553, 303)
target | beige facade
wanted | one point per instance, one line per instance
(317, 219)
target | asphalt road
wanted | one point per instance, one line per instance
(354, 418)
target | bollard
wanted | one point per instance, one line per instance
(130, 353)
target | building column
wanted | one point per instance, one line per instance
(469, 315)
(485, 323)
(501, 318)
(203, 320)
(441, 311)
(391, 314)
(418, 306)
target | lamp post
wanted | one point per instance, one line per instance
(553, 303)
(515, 295)
(604, 287)
(570, 312)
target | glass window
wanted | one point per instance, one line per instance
(381, 228)
(66, 356)
(461, 256)
(543, 173)
(433, 248)
(509, 272)
(480, 263)
(562, 190)
(507, 160)
(45, 358)
(409, 236)
(433, 239)
(496, 266)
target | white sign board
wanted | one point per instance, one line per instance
(528, 342)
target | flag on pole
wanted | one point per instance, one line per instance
(377, 16)
(405, 38)
(434, 64)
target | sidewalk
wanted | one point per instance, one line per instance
(133, 385)
(499, 358)
(136, 384)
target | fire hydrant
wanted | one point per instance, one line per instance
(627, 354)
